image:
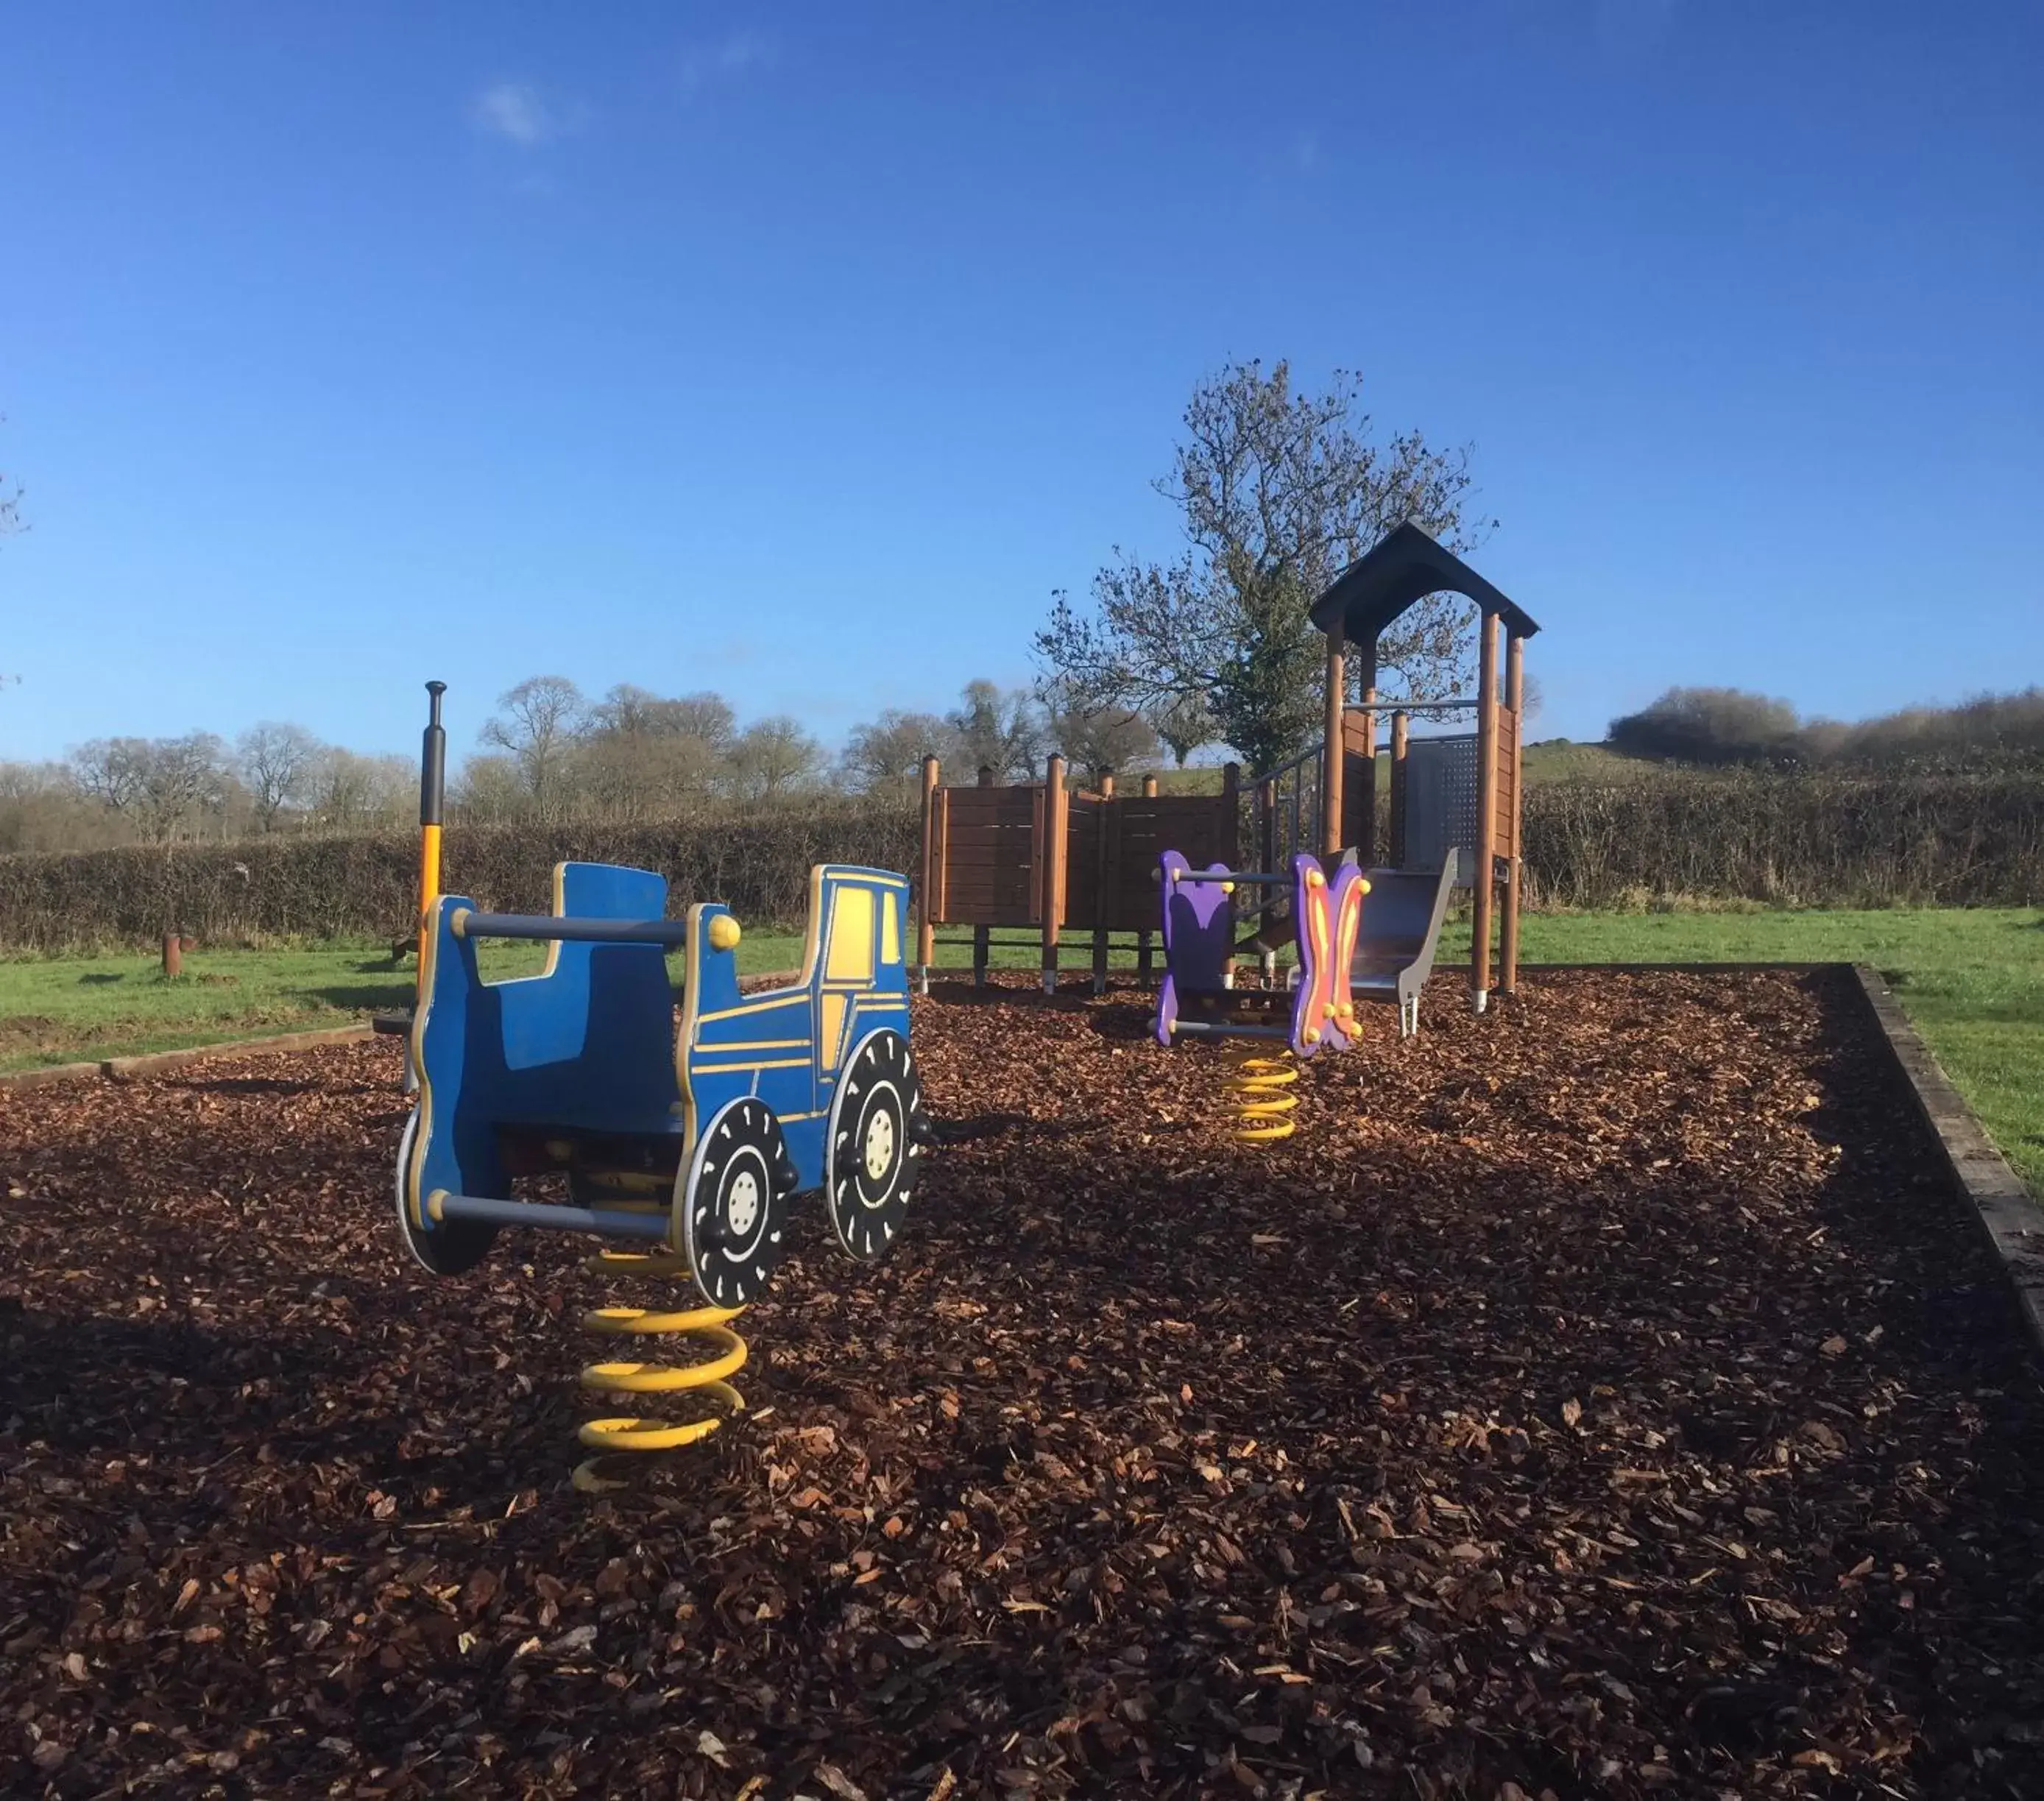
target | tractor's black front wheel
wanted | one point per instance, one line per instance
(874, 1151)
(734, 1199)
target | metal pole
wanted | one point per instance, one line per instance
(1515, 691)
(432, 803)
(1486, 812)
(926, 930)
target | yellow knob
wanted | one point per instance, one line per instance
(1363, 885)
(724, 933)
(1227, 888)
(1312, 1035)
(1315, 879)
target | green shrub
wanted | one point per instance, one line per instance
(282, 888)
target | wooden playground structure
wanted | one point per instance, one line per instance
(1046, 858)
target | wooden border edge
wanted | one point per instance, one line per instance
(2009, 1213)
(163, 1063)
(48, 1076)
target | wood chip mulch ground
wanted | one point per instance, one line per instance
(1606, 1396)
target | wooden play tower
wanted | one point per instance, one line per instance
(1460, 792)
(1046, 858)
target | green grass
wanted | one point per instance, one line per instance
(1972, 980)
(1558, 760)
(57, 1009)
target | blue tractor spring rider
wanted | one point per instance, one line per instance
(693, 1140)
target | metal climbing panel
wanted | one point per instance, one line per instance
(1440, 804)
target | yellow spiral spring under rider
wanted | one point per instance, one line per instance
(708, 1326)
(1257, 1086)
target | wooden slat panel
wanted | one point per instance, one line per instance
(988, 806)
(983, 856)
(1086, 819)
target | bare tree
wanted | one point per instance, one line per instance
(41, 809)
(180, 779)
(275, 759)
(110, 770)
(885, 757)
(10, 507)
(640, 777)
(1102, 740)
(630, 711)
(1002, 731)
(537, 725)
(348, 791)
(1279, 492)
(488, 791)
(774, 757)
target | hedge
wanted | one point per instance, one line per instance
(1792, 840)
(1789, 839)
(366, 886)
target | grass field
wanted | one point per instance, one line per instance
(1557, 759)
(1972, 979)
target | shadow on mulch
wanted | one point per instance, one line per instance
(247, 1084)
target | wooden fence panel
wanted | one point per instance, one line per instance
(1203, 828)
(988, 849)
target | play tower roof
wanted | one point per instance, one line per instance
(1405, 566)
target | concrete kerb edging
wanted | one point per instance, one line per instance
(2009, 1213)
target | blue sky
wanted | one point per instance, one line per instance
(801, 352)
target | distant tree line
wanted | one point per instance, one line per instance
(549, 753)
(553, 753)
(274, 777)
(1731, 727)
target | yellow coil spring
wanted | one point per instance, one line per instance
(707, 1325)
(1257, 1086)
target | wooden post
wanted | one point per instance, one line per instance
(1231, 793)
(1053, 866)
(1486, 811)
(1145, 963)
(926, 930)
(1266, 858)
(1514, 698)
(1401, 739)
(1365, 835)
(1100, 877)
(1333, 756)
(981, 937)
(174, 961)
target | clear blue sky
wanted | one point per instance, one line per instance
(801, 352)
